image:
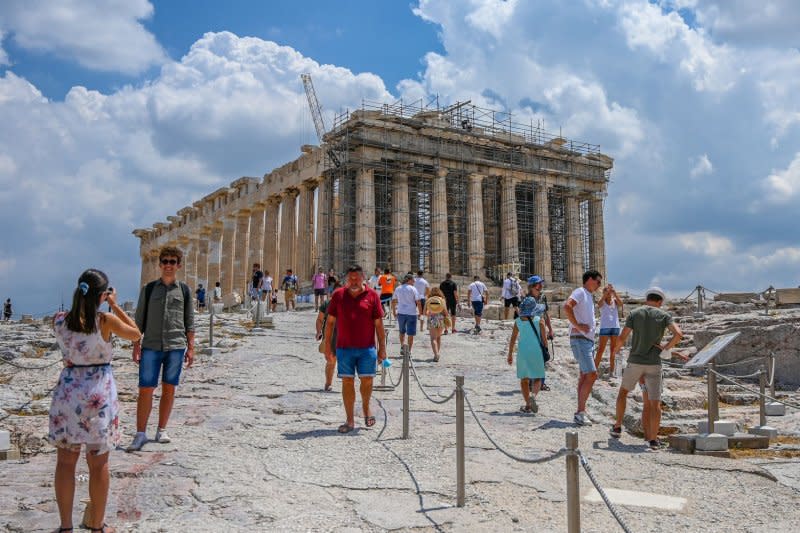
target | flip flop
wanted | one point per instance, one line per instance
(526, 409)
(344, 428)
(369, 421)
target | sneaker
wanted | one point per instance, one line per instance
(615, 432)
(162, 437)
(654, 445)
(534, 405)
(139, 440)
(581, 419)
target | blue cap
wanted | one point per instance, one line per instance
(533, 280)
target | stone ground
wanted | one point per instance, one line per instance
(255, 447)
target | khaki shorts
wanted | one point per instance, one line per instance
(652, 379)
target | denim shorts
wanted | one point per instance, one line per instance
(152, 362)
(582, 351)
(609, 332)
(477, 306)
(350, 360)
(408, 324)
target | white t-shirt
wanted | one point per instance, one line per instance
(510, 288)
(373, 281)
(407, 298)
(609, 318)
(584, 312)
(421, 284)
(266, 283)
(476, 291)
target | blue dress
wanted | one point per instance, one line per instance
(530, 361)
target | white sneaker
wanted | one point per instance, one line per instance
(582, 420)
(139, 440)
(162, 437)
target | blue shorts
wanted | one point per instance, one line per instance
(582, 351)
(477, 306)
(152, 362)
(350, 360)
(408, 324)
(609, 332)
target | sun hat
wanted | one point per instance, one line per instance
(527, 307)
(657, 291)
(435, 304)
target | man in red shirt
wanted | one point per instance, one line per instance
(355, 310)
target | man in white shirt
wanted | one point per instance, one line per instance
(579, 309)
(424, 290)
(511, 291)
(405, 307)
(373, 280)
(478, 293)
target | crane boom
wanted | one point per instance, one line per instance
(316, 113)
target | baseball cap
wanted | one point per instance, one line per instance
(655, 290)
(533, 280)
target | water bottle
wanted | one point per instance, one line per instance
(386, 363)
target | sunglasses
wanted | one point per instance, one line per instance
(169, 261)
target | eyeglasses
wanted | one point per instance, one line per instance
(169, 261)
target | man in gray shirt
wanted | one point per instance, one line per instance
(165, 315)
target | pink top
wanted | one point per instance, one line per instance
(320, 281)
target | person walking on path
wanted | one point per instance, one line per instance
(387, 283)
(333, 279)
(200, 293)
(356, 313)
(405, 308)
(450, 291)
(289, 286)
(478, 293)
(511, 291)
(7, 312)
(528, 335)
(327, 344)
(373, 280)
(164, 314)
(579, 309)
(266, 286)
(217, 292)
(535, 288)
(424, 290)
(648, 323)
(436, 311)
(610, 304)
(255, 282)
(319, 281)
(84, 410)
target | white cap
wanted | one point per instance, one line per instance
(655, 290)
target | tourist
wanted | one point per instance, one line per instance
(165, 316)
(357, 314)
(332, 281)
(610, 304)
(450, 291)
(647, 323)
(405, 307)
(535, 288)
(217, 292)
(266, 286)
(510, 294)
(318, 282)
(273, 299)
(289, 286)
(255, 282)
(579, 309)
(387, 283)
(424, 289)
(373, 280)
(7, 312)
(84, 409)
(438, 316)
(327, 345)
(529, 337)
(478, 294)
(200, 293)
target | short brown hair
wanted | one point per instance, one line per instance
(170, 251)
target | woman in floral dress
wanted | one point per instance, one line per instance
(437, 314)
(85, 410)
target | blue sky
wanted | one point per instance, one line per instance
(116, 114)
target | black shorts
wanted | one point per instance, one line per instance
(509, 302)
(451, 307)
(201, 303)
(319, 292)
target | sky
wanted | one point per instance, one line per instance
(115, 114)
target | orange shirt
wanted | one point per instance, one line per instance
(387, 283)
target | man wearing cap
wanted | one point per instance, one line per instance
(648, 323)
(405, 308)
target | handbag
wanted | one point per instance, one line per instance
(545, 351)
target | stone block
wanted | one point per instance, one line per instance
(218, 308)
(745, 440)
(9, 455)
(711, 442)
(787, 296)
(767, 431)
(775, 409)
(5, 440)
(736, 297)
(27, 319)
(722, 427)
(683, 443)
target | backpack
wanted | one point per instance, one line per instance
(148, 291)
(514, 287)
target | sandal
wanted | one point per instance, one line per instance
(65, 529)
(328, 388)
(102, 529)
(369, 421)
(526, 409)
(345, 428)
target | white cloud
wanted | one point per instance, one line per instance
(702, 166)
(705, 243)
(105, 36)
(3, 54)
(783, 186)
(764, 23)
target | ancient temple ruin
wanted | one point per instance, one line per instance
(460, 189)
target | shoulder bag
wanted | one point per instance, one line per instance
(545, 351)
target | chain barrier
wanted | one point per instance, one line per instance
(689, 295)
(26, 404)
(419, 383)
(24, 367)
(723, 365)
(614, 512)
(754, 391)
(399, 380)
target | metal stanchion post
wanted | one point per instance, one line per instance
(573, 484)
(762, 402)
(713, 405)
(460, 441)
(772, 374)
(210, 350)
(406, 392)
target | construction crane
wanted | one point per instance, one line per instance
(316, 114)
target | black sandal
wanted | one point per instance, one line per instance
(101, 529)
(369, 421)
(65, 529)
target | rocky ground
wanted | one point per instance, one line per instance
(255, 445)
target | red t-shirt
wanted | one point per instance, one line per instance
(355, 317)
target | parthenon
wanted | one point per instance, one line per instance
(459, 189)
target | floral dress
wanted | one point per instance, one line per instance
(85, 409)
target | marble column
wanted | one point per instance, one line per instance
(288, 246)
(271, 237)
(597, 240)
(476, 253)
(190, 261)
(155, 271)
(305, 234)
(241, 268)
(365, 219)
(202, 257)
(256, 248)
(574, 249)
(509, 233)
(401, 231)
(543, 264)
(324, 219)
(440, 254)
(215, 254)
(227, 256)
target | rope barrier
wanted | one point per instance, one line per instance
(419, 383)
(24, 367)
(745, 387)
(689, 295)
(603, 495)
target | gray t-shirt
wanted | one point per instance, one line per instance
(648, 324)
(169, 317)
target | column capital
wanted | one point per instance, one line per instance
(442, 172)
(290, 193)
(243, 212)
(476, 176)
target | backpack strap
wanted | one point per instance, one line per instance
(148, 291)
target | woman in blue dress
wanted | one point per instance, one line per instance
(527, 336)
